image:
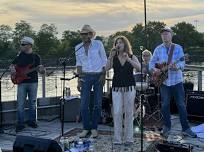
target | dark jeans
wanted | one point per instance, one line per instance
(177, 91)
(91, 81)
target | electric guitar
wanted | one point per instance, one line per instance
(159, 78)
(21, 73)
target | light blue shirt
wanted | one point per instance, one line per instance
(160, 55)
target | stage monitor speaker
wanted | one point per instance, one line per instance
(172, 147)
(32, 144)
(195, 103)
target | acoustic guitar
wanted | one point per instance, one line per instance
(21, 73)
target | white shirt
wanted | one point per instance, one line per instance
(96, 58)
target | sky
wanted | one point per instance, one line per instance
(105, 16)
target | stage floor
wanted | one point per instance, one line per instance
(52, 130)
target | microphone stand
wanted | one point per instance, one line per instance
(1, 113)
(63, 62)
(63, 98)
(141, 102)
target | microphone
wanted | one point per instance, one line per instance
(116, 48)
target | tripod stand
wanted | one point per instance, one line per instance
(156, 114)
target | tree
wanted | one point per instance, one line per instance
(187, 36)
(69, 40)
(22, 29)
(5, 33)
(46, 41)
(6, 48)
(138, 37)
(151, 35)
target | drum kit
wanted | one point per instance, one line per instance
(151, 106)
(144, 89)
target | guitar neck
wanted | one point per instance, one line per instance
(31, 70)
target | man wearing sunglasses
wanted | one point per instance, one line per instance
(27, 87)
(90, 61)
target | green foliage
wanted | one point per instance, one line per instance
(6, 47)
(46, 41)
(69, 40)
(49, 46)
(21, 29)
(187, 36)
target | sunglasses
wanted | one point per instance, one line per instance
(23, 44)
(84, 33)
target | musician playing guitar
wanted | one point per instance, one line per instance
(172, 84)
(24, 70)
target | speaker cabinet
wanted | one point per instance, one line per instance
(72, 109)
(32, 144)
(195, 103)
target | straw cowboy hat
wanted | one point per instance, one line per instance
(87, 29)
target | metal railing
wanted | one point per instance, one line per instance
(50, 84)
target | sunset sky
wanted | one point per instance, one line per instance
(105, 16)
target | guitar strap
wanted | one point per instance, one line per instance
(170, 53)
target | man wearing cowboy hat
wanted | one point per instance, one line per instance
(90, 61)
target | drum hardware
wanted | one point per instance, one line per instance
(137, 111)
(156, 114)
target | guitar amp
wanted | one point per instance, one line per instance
(166, 146)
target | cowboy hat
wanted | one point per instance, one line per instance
(87, 29)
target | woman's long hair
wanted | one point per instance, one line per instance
(127, 46)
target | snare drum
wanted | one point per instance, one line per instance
(141, 81)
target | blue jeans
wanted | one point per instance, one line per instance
(25, 89)
(176, 91)
(90, 119)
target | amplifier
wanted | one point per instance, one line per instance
(195, 103)
(72, 109)
(172, 147)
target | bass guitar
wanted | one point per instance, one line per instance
(21, 73)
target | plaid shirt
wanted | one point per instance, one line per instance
(160, 55)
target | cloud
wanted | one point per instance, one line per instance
(104, 15)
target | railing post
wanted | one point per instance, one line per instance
(199, 80)
(43, 86)
(108, 82)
